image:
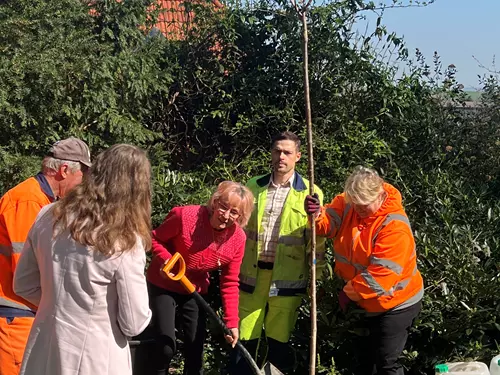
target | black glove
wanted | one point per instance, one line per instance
(311, 204)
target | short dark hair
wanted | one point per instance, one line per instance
(286, 136)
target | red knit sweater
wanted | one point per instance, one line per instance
(187, 230)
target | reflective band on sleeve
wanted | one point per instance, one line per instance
(373, 284)
(335, 221)
(386, 263)
(341, 259)
(388, 219)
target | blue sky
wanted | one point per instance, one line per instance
(456, 29)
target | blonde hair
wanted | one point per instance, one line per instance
(111, 208)
(363, 186)
(225, 189)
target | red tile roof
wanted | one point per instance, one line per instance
(174, 18)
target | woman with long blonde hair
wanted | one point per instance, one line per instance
(83, 266)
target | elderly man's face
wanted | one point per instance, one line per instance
(70, 179)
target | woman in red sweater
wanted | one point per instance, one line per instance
(208, 238)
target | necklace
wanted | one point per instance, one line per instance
(217, 245)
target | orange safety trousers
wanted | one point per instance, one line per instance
(14, 332)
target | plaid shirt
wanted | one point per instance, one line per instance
(271, 220)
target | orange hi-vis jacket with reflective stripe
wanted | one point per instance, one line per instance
(376, 256)
(19, 208)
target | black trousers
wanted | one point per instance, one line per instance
(386, 341)
(166, 306)
(278, 354)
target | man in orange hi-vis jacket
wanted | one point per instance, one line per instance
(376, 257)
(62, 170)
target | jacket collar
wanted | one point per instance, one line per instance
(44, 185)
(298, 181)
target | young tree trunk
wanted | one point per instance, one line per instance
(305, 39)
(312, 346)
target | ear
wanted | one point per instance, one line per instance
(299, 154)
(63, 171)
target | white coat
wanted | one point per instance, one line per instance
(88, 304)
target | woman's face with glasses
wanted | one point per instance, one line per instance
(225, 212)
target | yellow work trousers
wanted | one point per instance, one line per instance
(277, 315)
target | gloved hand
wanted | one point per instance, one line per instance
(312, 204)
(344, 301)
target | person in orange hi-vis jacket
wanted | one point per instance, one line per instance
(375, 255)
(62, 169)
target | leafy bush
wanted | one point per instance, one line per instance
(206, 107)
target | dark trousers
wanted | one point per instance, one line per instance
(166, 306)
(278, 354)
(386, 341)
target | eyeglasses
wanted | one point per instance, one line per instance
(233, 214)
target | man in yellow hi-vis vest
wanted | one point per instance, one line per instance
(275, 268)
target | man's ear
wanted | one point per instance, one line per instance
(63, 171)
(299, 154)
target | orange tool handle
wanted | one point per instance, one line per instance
(181, 273)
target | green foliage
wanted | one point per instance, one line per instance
(65, 70)
(207, 106)
(16, 168)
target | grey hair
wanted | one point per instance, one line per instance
(52, 164)
(363, 186)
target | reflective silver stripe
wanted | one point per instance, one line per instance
(373, 284)
(5, 250)
(285, 240)
(386, 263)
(335, 221)
(248, 280)
(8, 303)
(352, 246)
(400, 217)
(288, 284)
(346, 210)
(359, 267)
(388, 219)
(415, 269)
(377, 288)
(17, 247)
(411, 301)
(402, 284)
(334, 215)
(341, 259)
(291, 240)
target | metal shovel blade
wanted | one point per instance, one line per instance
(269, 369)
